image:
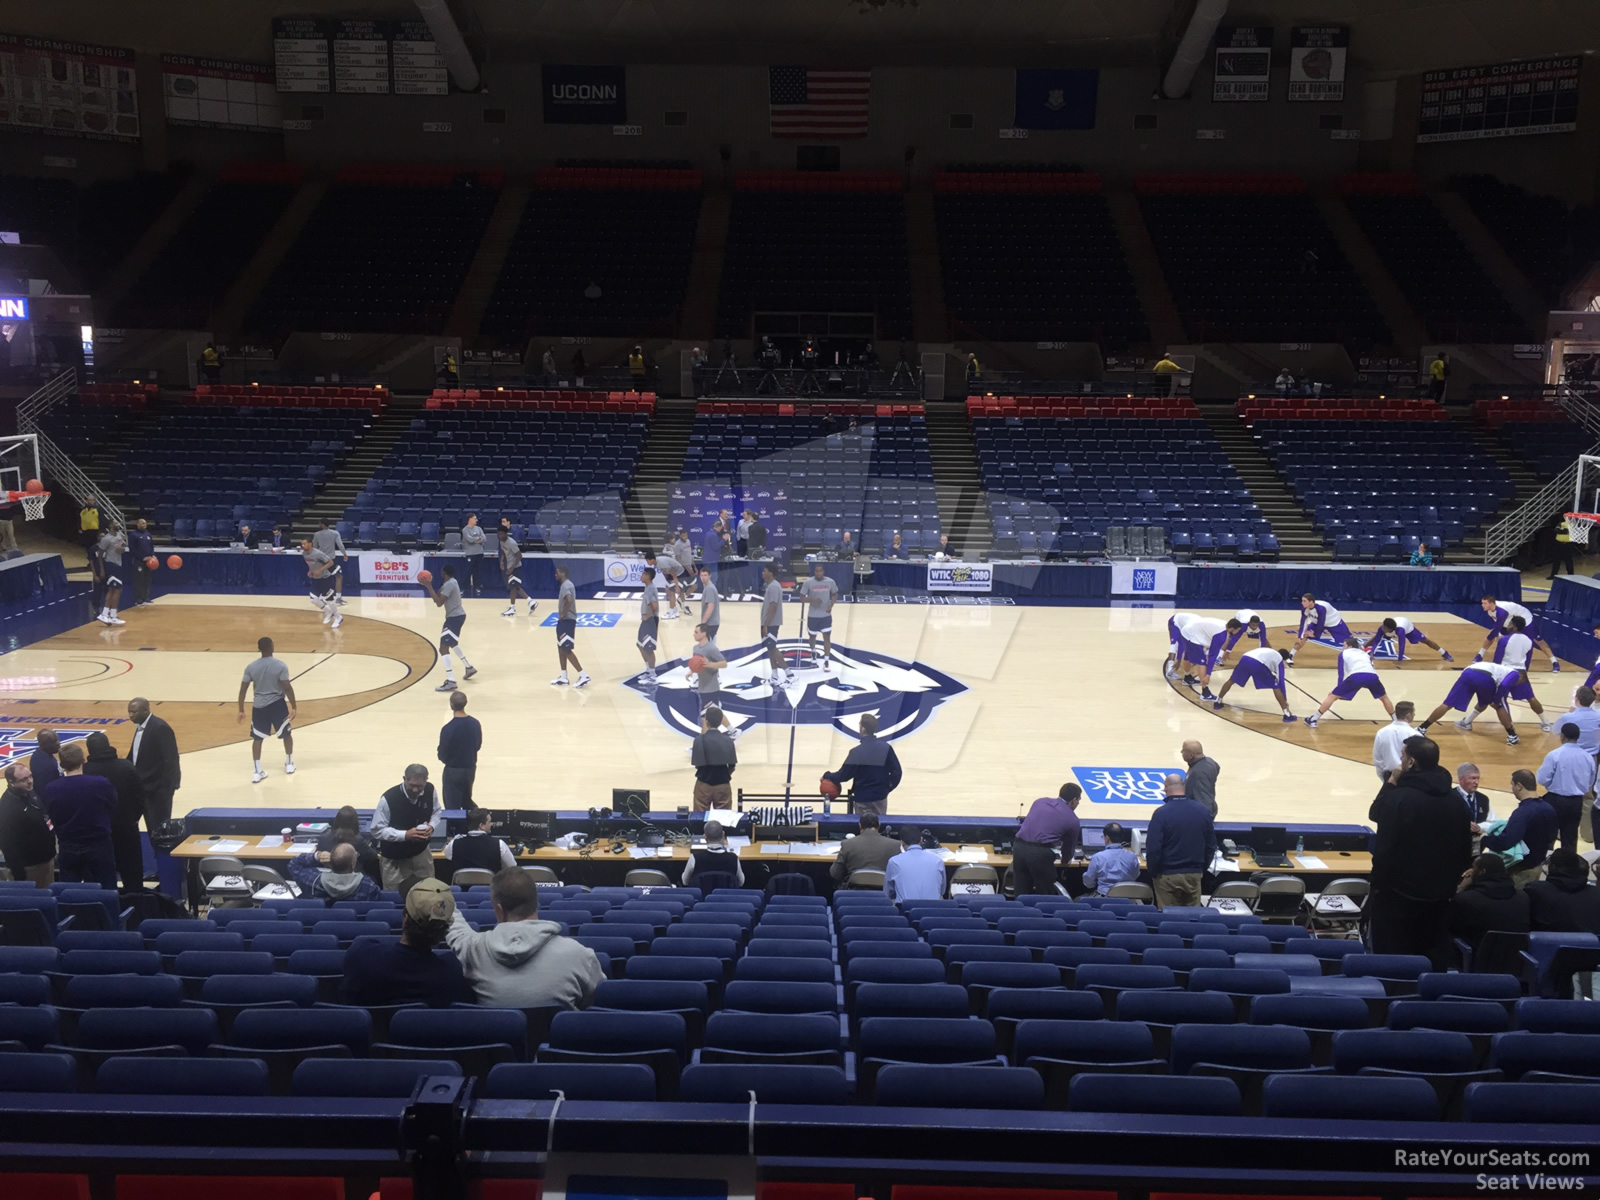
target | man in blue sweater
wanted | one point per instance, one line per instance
(1534, 822)
(1179, 845)
(459, 743)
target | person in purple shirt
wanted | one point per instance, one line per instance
(43, 761)
(1050, 829)
(80, 807)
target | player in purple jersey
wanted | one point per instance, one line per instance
(1355, 674)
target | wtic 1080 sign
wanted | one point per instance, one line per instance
(13, 308)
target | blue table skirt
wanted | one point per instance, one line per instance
(1278, 585)
(32, 577)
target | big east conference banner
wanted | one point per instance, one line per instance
(379, 566)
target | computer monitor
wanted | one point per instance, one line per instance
(533, 825)
(1268, 839)
(502, 823)
(631, 802)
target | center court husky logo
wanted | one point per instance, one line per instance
(904, 695)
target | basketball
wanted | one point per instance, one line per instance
(424, 576)
(829, 788)
(33, 487)
(152, 563)
(697, 663)
(174, 562)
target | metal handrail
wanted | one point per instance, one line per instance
(1500, 540)
(52, 458)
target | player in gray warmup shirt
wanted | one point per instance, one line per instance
(567, 631)
(111, 547)
(323, 571)
(272, 709)
(684, 553)
(473, 545)
(331, 543)
(649, 623)
(511, 568)
(448, 597)
(771, 621)
(820, 592)
(710, 680)
(710, 604)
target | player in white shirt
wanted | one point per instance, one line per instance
(1202, 640)
(1389, 744)
(1514, 649)
(1263, 669)
(1489, 685)
(1403, 632)
(1175, 641)
(1251, 625)
(1500, 613)
(1355, 674)
(1318, 619)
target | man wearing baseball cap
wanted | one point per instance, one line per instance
(382, 972)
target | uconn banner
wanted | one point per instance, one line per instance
(585, 95)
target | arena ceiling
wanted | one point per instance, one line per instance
(1388, 37)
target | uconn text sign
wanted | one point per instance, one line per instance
(585, 95)
(13, 308)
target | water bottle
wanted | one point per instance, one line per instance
(1300, 844)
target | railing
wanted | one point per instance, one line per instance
(1580, 406)
(53, 460)
(1501, 540)
(47, 397)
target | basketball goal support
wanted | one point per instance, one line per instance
(48, 459)
(1574, 490)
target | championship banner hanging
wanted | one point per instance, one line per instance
(1243, 70)
(379, 566)
(1510, 99)
(67, 88)
(219, 93)
(1317, 56)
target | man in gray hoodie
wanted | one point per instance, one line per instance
(523, 962)
(341, 879)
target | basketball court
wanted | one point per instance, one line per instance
(990, 705)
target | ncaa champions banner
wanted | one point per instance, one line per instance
(960, 576)
(1144, 579)
(623, 572)
(585, 95)
(379, 566)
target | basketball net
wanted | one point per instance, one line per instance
(32, 503)
(1579, 524)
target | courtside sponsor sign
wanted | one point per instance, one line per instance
(960, 577)
(1144, 579)
(624, 572)
(589, 620)
(1124, 785)
(378, 566)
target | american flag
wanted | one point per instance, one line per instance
(810, 103)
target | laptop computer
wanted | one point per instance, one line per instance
(1268, 845)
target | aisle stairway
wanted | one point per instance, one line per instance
(963, 512)
(1298, 540)
(339, 491)
(644, 514)
(478, 286)
(1526, 481)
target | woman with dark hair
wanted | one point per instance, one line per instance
(1487, 900)
(346, 827)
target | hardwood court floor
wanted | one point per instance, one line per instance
(1012, 699)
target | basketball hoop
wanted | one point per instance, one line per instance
(1579, 524)
(32, 503)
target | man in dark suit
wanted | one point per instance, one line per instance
(869, 850)
(1475, 802)
(154, 755)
